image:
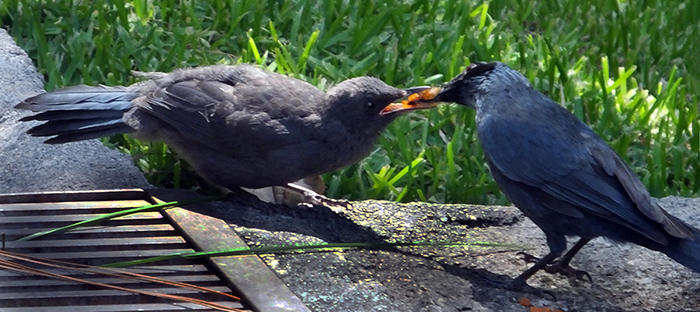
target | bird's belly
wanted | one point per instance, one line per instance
(233, 172)
(271, 169)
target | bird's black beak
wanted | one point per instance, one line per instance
(418, 89)
(417, 98)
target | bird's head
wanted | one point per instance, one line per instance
(476, 80)
(369, 103)
(464, 88)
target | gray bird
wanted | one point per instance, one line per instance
(561, 174)
(238, 126)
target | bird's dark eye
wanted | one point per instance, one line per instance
(370, 105)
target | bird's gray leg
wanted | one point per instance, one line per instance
(315, 198)
(561, 266)
(520, 283)
(566, 258)
(557, 246)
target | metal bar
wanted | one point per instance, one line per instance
(101, 195)
(161, 307)
(249, 275)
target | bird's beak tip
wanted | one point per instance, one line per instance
(416, 95)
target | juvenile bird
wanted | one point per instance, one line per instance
(560, 173)
(238, 126)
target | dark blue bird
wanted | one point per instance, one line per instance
(561, 174)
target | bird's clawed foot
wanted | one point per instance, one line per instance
(313, 198)
(518, 286)
(566, 270)
(319, 200)
(528, 258)
(561, 267)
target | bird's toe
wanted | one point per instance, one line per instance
(566, 270)
(528, 258)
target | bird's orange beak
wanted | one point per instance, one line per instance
(414, 102)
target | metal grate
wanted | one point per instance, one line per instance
(127, 238)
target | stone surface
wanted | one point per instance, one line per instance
(28, 165)
(625, 277)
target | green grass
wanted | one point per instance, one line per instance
(627, 68)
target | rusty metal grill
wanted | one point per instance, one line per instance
(127, 238)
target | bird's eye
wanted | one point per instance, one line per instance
(370, 105)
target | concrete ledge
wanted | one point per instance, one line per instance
(28, 165)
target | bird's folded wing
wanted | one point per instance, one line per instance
(185, 107)
(222, 116)
(609, 161)
(561, 164)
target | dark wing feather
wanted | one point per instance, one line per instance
(636, 191)
(185, 107)
(80, 98)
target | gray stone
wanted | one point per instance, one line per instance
(625, 277)
(28, 165)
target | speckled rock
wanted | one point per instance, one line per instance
(625, 277)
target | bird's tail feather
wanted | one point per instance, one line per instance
(685, 251)
(79, 113)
